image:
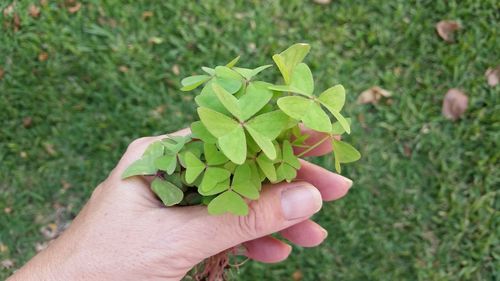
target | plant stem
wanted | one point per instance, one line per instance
(314, 146)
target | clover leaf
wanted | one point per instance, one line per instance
(344, 153)
(288, 59)
(168, 193)
(146, 164)
(229, 201)
(287, 169)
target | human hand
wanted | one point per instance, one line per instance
(125, 233)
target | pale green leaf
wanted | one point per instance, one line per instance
(242, 182)
(317, 119)
(264, 143)
(194, 167)
(219, 187)
(167, 163)
(337, 129)
(228, 202)
(207, 98)
(333, 98)
(288, 155)
(342, 121)
(208, 70)
(267, 167)
(199, 131)
(288, 59)
(234, 145)
(256, 97)
(192, 82)
(269, 124)
(233, 62)
(228, 100)
(229, 84)
(286, 172)
(141, 167)
(288, 88)
(295, 107)
(344, 152)
(213, 155)
(217, 123)
(213, 176)
(167, 192)
(155, 149)
(302, 79)
(250, 73)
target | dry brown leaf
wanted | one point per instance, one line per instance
(27, 121)
(49, 148)
(17, 22)
(297, 275)
(492, 76)
(123, 69)
(23, 154)
(454, 104)
(49, 231)
(155, 40)
(175, 69)
(146, 15)
(3, 248)
(34, 11)
(75, 8)
(7, 210)
(407, 150)
(322, 2)
(9, 9)
(43, 56)
(7, 263)
(446, 30)
(373, 95)
(65, 185)
(2, 73)
(44, 2)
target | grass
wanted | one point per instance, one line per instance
(425, 201)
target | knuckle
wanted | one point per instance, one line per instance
(254, 223)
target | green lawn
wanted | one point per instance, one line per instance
(425, 201)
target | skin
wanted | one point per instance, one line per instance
(124, 233)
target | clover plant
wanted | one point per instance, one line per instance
(245, 135)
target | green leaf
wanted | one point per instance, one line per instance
(256, 177)
(167, 163)
(342, 121)
(213, 155)
(174, 144)
(228, 100)
(317, 119)
(243, 184)
(233, 62)
(248, 74)
(288, 88)
(302, 79)
(199, 131)
(219, 187)
(142, 167)
(257, 95)
(168, 193)
(228, 202)
(288, 59)
(344, 152)
(209, 99)
(155, 149)
(288, 155)
(333, 98)
(295, 107)
(269, 124)
(286, 172)
(234, 145)
(213, 176)
(267, 167)
(337, 128)
(264, 143)
(228, 79)
(208, 70)
(194, 167)
(192, 82)
(217, 123)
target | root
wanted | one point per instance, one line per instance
(215, 268)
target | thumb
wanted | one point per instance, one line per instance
(279, 206)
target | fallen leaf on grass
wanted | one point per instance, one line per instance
(75, 8)
(155, 40)
(3, 248)
(123, 69)
(373, 95)
(49, 231)
(23, 154)
(446, 30)
(44, 2)
(27, 121)
(322, 2)
(17, 22)
(175, 69)
(7, 263)
(49, 148)
(146, 15)
(65, 185)
(7, 210)
(492, 76)
(9, 9)
(34, 11)
(297, 275)
(40, 246)
(2, 73)
(454, 104)
(43, 56)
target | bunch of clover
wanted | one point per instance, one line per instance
(245, 135)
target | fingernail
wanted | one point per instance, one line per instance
(349, 182)
(325, 233)
(300, 201)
